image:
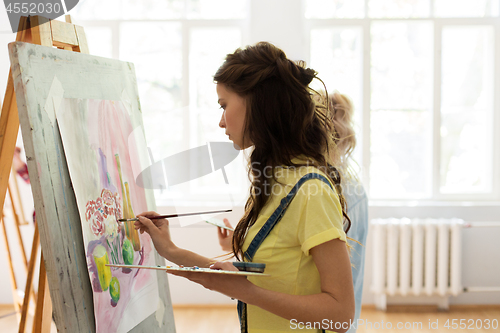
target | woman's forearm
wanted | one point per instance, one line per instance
(321, 308)
(160, 234)
(187, 258)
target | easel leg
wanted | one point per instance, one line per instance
(19, 201)
(9, 127)
(17, 222)
(29, 280)
(9, 120)
(43, 313)
(11, 266)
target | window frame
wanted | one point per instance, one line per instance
(252, 31)
(438, 25)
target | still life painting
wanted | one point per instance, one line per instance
(102, 155)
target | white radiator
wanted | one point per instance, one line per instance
(416, 257)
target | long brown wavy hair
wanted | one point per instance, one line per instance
(282, 122)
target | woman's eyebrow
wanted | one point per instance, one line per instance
(219, 100)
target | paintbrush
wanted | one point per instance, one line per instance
(174, 215)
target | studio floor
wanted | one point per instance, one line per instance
(222, 319)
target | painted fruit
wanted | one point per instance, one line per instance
(103, 272)
(128, 252)
(114, 289)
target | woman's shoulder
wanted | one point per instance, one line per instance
(291, 175)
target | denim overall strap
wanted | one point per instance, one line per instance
(278, 214)
(266, 229)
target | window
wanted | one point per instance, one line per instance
(176, 47)
(467, 109)
(421, 76)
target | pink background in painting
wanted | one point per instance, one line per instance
(112, 132)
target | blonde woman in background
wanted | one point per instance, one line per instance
(342, 111)
(352, 189)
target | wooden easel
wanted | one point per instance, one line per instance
(45, 32)
(19, 220)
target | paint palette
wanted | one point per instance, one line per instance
(191, 269)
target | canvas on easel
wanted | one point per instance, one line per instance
(82, 89)
(100, 150)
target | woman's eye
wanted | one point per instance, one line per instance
(223, 107)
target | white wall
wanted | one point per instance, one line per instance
(278, 22)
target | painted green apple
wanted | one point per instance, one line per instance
(114, 289)
(128, 252)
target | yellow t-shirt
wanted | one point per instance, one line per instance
(313, 217)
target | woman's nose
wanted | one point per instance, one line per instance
(222, 122)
